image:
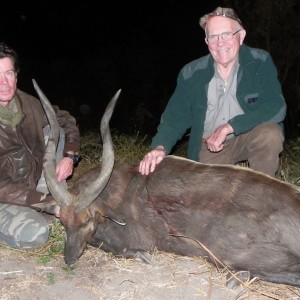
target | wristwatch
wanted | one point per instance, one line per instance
(74, 157)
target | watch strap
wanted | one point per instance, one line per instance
(74, 157)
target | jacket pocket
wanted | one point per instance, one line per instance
(251, 99)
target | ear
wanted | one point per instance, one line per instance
(107, 212)
(48, 205)
(242, 34)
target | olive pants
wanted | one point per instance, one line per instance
(260, 147)
(22, 227)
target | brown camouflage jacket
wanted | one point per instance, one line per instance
(22, 150)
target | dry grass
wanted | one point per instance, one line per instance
(99, 275)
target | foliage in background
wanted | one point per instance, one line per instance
(127, 148)
(290, 162)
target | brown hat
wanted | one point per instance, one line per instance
(220, 12)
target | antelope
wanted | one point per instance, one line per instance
(232, 215)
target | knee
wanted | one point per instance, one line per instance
(269, 136)
(26, 229)
(35, 233)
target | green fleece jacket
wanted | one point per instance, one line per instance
(258, 92)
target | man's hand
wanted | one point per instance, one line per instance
(215, 142)
(64, 169)
(151, 159)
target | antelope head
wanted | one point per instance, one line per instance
(77, 214)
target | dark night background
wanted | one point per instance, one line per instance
(82, 52)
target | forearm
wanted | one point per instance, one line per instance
(18, 194)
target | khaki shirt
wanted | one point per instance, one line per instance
(222, 101)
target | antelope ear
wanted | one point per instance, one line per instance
(107, 212)
(49, 205)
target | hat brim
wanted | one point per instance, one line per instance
(203, 20)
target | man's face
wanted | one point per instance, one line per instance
(224, 52)
(8, 81)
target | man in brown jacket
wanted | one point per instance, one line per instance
(23, 126)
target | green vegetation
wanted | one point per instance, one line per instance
(50, 278)
(289, 169)
(55, 244)
(127, 148)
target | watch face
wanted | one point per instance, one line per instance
(74, 157)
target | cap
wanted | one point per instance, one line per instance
(220, 12)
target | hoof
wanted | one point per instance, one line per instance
(144, 256)
(234, 280)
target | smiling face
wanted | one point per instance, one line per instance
(224, 52)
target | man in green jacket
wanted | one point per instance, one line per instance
(23, 130)
(231, 101)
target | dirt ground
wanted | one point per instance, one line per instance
(99, 275)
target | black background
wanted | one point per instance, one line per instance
(82, 52)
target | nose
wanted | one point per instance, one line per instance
(3, 78)
(220, 41)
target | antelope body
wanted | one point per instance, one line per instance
(247, 220)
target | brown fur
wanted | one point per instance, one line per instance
(246, 219)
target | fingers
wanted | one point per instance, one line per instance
(147, 165)
(214, 146)
(215, 142)
(151, 159)
(64, 169)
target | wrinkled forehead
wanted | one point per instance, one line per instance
(219, 24)
(6, 64)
